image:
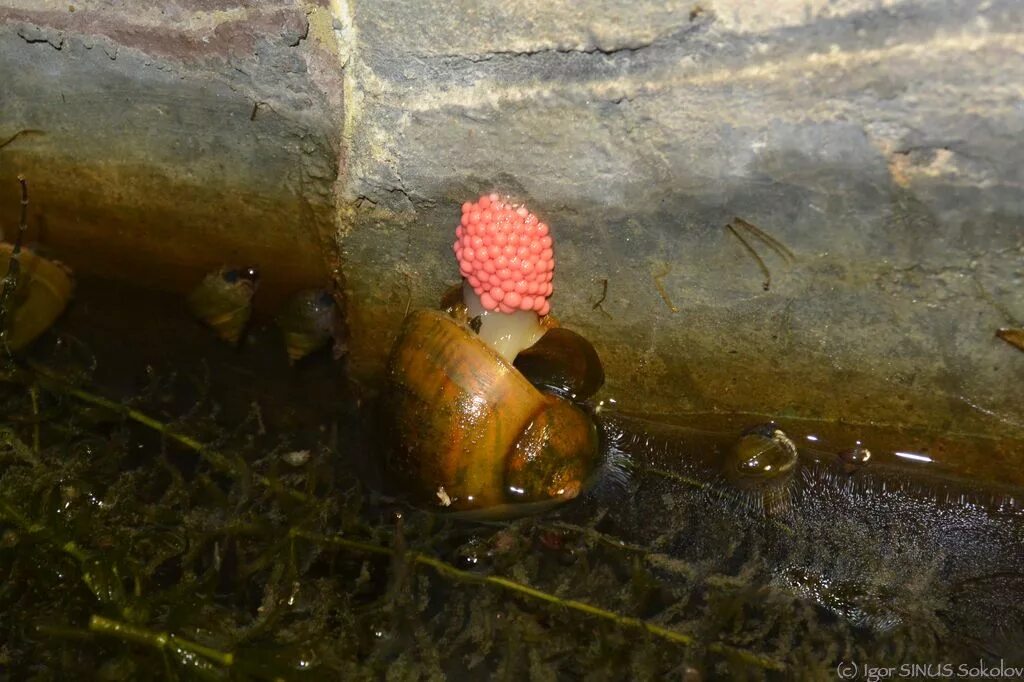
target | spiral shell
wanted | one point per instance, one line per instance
(307, 321)
(762, 464)
(44, 289)
(223, 300)
(469, 432)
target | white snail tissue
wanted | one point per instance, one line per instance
(507, 333)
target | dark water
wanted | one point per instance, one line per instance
(236, 525)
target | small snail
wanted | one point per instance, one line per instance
(858, 455)
(41, 287)
(308, 321)
(468, 431)
(761, 464)
(44, 289)
(223, 300)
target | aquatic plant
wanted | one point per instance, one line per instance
(207, 561)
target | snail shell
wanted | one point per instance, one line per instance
(762, 463)
(223, 300)
(855, 457)
(308, 322)
(469, 432)
(1014, 337)
(44, 289)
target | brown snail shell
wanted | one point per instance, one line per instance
(44, 289)
(308, 321)
(1014, 337)
(469, 432)
(223, 300)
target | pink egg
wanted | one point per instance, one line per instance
(505, 253)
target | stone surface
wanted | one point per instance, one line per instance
(880, 142)
(165, 139)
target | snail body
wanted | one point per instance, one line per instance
(469, 432)
(223, 300)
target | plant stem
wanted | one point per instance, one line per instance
(10, 280)
(34, 394)
(162, 641)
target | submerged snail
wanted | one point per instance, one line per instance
(308, 321)
(42, 291)
(223, 300)
(468, 431)
(762, 463)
